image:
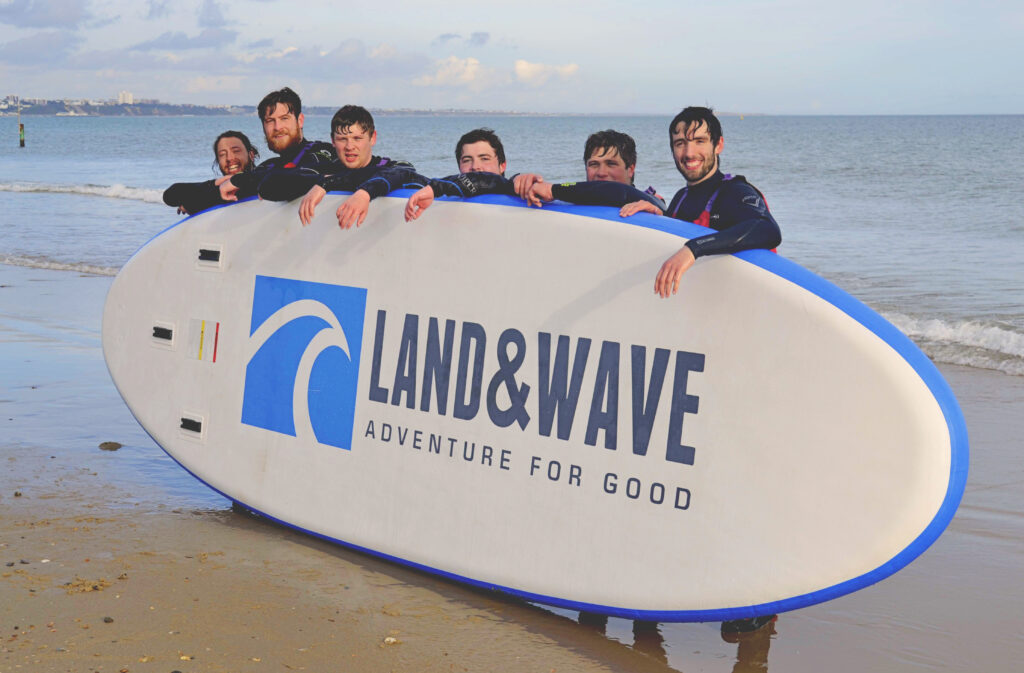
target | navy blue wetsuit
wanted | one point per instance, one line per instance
(377, 178)
(731, 206)
(197, 196)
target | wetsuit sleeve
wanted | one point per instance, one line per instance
(602, 193)
(754, 225)
(288, 184)
(388, 178)
(468, 185)
(276, 182)
(193, 196)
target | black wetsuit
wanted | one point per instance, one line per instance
(595, 193)
(603, 193)
(377, 178)
(193, 196)
(197, 196)
(467, 185)
(731, 206)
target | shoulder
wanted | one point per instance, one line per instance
(387, 162)
(739, 189)
(322, 150)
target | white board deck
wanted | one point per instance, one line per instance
(494, 393)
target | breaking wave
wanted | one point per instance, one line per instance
(105, 191)
(985, 345)
(39, 262)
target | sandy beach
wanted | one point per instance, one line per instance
(117, 560)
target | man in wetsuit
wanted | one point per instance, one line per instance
(609, 157)
(356, 169)
(233, 153)
(281, 114)
(610, 161)
(726, 203)
(481, 159)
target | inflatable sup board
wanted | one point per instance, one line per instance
(495, 394)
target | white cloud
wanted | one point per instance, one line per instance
(537, 74)
(457, 72)
(222, 83)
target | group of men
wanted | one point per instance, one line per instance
(727, 204)
(732, 208)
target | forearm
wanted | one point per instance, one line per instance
(193, 196)
(388, 179)
(602, 193)
(468, 185)
(759, 232)
(286, 185)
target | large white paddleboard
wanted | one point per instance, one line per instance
(494, 393)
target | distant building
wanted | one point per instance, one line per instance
(125, 98)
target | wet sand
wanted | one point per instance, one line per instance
(121, 561)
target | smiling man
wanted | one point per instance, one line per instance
(281, 114)
(355, 170)
(726, 203)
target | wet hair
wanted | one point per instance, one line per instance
(253, 153)
(349, 115)
(694, 117)
(608, 140)
(477, 135)
(285, 96)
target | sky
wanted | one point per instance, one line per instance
(602, 56)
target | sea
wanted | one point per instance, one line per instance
(920, 217)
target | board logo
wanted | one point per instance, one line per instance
(304, 345)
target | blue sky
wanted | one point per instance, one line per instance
(784, 57)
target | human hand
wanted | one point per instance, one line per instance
(309, 203)
(354, 209)
(667, 281)
(639, 207)
(523, 182)
(539, 193)
(228, 190)
(418, 203)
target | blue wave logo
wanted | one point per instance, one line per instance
(305, 340)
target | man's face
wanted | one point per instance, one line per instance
(232, 157)
(605, 165)
(354, 145)
(480, 157)
(282, 128)
(696, 157)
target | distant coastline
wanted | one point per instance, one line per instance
(149, 108)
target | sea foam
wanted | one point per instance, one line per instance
(966, 342)
(116, 191)
(38, 262)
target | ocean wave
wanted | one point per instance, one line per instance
(106, 191)
(966, 342)
(35, 262)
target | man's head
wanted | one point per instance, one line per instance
(480, 151)
(233, 153)
(695, 136)
(281, 114)
(610, 156)
(353, 135)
